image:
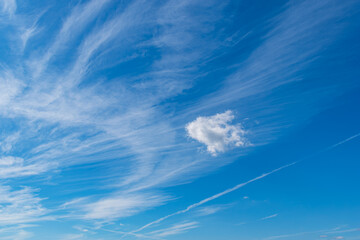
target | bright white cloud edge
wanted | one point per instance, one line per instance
(217, 132)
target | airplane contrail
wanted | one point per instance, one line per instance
(211, 198)
(229, 190)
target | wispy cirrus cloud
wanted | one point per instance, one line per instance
(10, 86)
(324, 233)
(11, 167)
(67, 111)
(113, 207)
(73, 236)
(20, 206)
(212, 209)
(19, 235)
(121, 206)
(80, 16)
(9, 6)
(175, 229)
(288, 49)
(268, 217)
(9, 141)
(16, 232)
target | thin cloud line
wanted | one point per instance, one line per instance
(237, 187)
(133, 234)
(210, 198)
(268, 217)
(331, 147)
(342, 142)
(328, 231)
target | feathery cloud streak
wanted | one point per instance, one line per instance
(20, 206)
(95, 95)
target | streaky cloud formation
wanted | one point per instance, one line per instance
(271, 216)
(116, 113)
(20, 206)
(212, 209)
(175, 229)
(324, 233)
(9, 6)
(114, 207)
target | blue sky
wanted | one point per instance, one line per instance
(179, 119)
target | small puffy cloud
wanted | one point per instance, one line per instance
(217, 132)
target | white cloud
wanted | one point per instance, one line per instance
(209, 210)
(116, 206)
(324, 233)
(268, 217)
(8, 161)
(19, 206)
(74, 24)
(121, 206)
(175, 229)
(9, 87)
(15, 167)
(21, 235)
(217, 132)
(7, 144)
(27, 34)
(17, 234)
(73, 236)
(127, 117)
(9, 6)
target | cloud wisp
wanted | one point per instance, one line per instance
(113, 207)
(20, 206)
(206, 200)
(175, 229)
(209, 210)
(11, 167)
(325, 233)
(9, 6)
(268, 217)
